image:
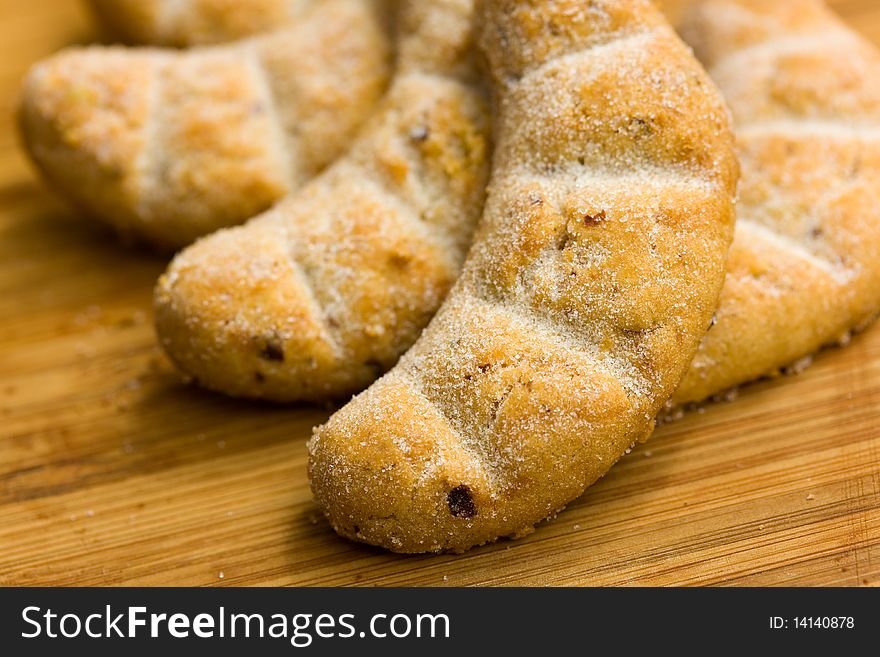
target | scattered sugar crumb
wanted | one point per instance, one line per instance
(798, 366)
(84, 350)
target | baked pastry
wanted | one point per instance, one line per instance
(805, 264)
(167, 146)
(318, 297)
(594, 274)
(195, 22)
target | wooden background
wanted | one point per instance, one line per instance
(113, 472)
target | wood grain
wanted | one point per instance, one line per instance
(113, 472)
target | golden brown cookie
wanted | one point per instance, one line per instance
(594, 274)
(805, 265)
(318, 297)
(195, 22)
(167, 146)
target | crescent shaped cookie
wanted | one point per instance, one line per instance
(594, 274)
(195, 22)
(166, 146)
(805, 264)
(319, 296)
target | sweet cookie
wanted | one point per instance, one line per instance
(805, 264)
(195, 22)
(319, 296)
(593, 276)
(167, 146)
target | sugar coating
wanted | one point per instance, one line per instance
(594, 273)
(805, 264)
(318, 297)
(195, 22)
(166, 146)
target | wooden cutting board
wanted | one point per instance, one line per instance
(114, 472)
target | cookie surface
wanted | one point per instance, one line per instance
(194, 22)
(321, 295)
(166, 146)
(594, 274)
(805, 265)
